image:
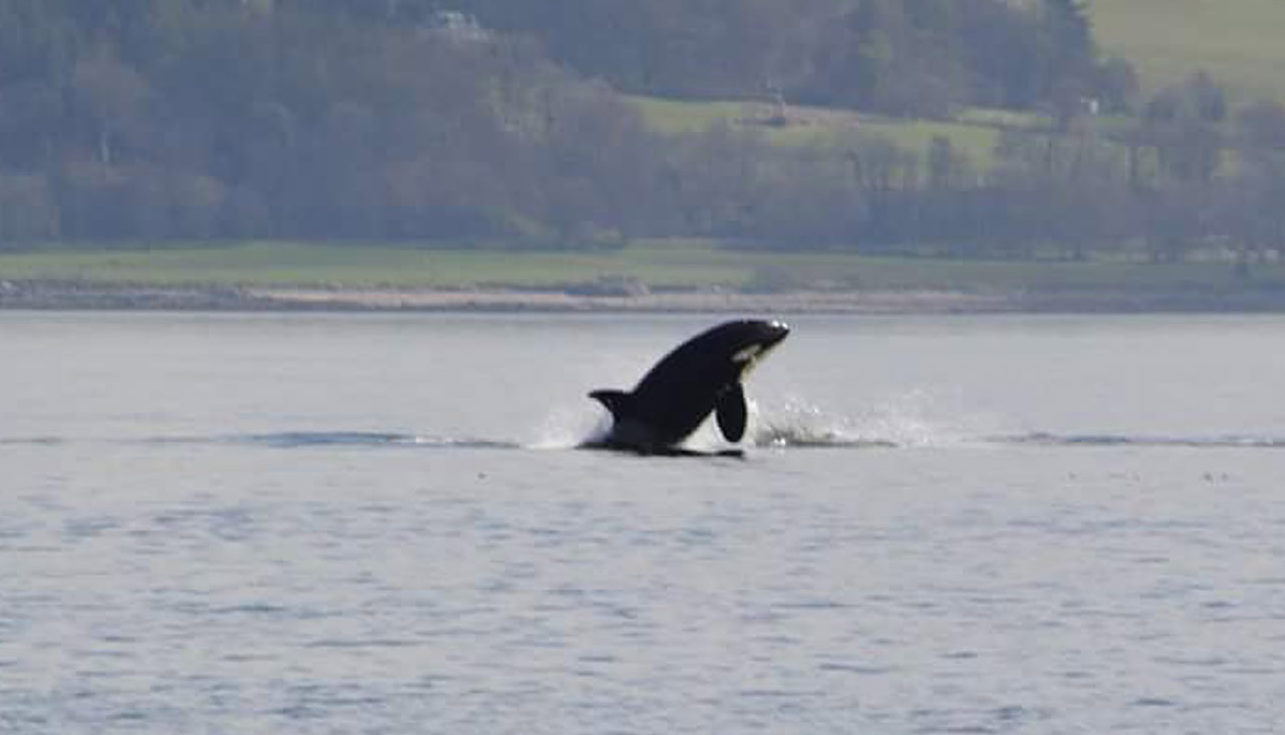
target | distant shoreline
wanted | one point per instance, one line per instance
(50, 295)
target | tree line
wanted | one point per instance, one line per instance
(501, 120)
(149, 119)
(920, 57)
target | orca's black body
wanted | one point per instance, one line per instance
(700, 376)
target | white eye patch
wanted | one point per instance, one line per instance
(747, 354)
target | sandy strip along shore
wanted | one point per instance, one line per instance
(77, 295)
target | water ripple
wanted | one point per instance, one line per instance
(791, 433)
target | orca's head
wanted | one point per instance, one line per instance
(749, 340)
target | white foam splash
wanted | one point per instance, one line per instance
(904, 420)
(567, 427)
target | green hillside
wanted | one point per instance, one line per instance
(1238, 41)
(218, 121)
(974, 133)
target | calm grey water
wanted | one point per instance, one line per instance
(377, 524)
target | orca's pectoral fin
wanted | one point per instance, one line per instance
(731, 412)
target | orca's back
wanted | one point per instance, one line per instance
(678, 393)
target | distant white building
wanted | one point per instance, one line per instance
(459, 26)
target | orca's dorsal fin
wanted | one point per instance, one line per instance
(618, 402)
(731, 412)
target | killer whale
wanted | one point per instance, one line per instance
(700, 376)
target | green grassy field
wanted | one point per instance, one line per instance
(676, 264)
(974, 134)
(368, 266)
(1240, 42)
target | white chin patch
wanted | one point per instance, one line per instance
(749, 357)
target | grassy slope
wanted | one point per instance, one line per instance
(665, 264)
(975, 135)
(1240, 42)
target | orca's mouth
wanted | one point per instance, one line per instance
(776, 333)
(773, 333)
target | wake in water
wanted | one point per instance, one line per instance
(291, 440)
(296, 439)
(1112, 440)
(799, 431)
(798, 428)
(795, 424)
(908, 421)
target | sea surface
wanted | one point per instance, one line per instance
(381, 524)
